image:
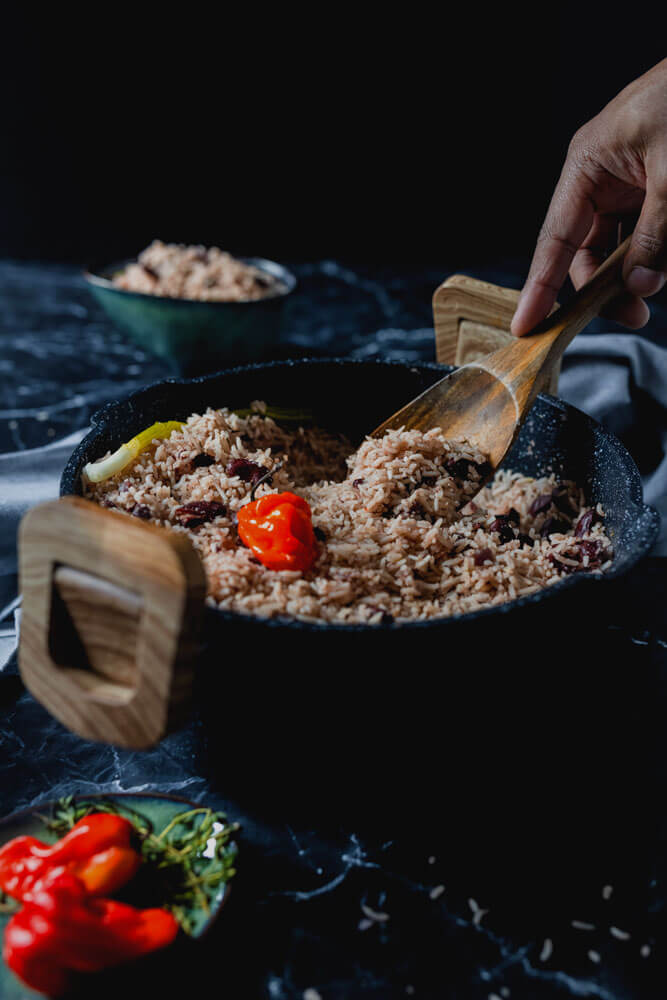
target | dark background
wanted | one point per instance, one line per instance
(419, 138)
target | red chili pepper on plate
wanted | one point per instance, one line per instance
(108, 870)
(62, 929)
(97, 849)
(278, 528)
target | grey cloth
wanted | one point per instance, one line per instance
(619, 379)
(26, 478)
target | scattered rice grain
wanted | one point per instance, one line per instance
(375, 915)
(547, 950)
(477, 912)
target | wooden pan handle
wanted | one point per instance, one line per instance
(471, 318)
(110, 618)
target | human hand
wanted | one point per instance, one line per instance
(616, 169)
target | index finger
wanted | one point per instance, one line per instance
(564, 229)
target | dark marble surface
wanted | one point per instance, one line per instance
(393, 880)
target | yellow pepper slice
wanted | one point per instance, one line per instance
(104, 468)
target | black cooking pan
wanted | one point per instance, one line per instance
(308, 712)
(353, 397)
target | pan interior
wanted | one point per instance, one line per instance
(354, 397)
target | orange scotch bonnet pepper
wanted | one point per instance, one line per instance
(278, 528)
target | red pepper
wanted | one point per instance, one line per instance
(97, 849)
(61, 929)
(279, 530)
(108, 870)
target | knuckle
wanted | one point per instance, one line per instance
(584, 151)
(650, 244)
(549, 235)
(577, 142)
(581, 143)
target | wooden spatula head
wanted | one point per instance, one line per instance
(470, 403)
(486, 402)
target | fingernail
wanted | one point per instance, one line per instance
(642, 281)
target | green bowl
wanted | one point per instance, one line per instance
(156, 811)
(197, 337)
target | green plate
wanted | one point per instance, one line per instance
(155, 811)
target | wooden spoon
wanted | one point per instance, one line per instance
(486, 401)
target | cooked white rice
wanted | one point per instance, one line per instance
(397, 540)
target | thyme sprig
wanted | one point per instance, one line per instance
(279, 414)
(193, 857)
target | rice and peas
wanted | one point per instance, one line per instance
(399, 536)
(206, 274)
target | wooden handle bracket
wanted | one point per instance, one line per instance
(110, 619)
(472, 319)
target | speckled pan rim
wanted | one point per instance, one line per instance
(102, 417)
(98, 276)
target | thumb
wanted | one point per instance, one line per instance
(645, 265)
